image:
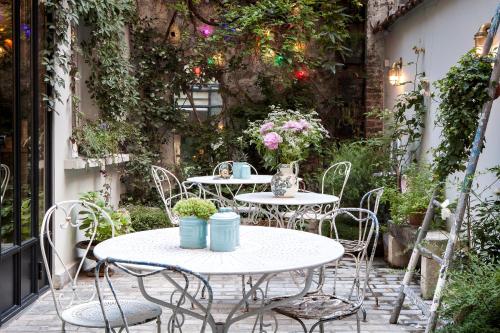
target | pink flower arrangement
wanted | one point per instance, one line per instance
(286, 136)
(266, 127)
(272, 140)
(297, 126)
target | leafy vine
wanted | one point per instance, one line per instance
(463, 92)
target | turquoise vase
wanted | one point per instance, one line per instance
(193, 233)
(224, 230)
(237, 167)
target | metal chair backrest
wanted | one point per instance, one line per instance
(371, 202)
(180, 304)
(4, 178)
(367, 253)
(335, 178)
(70, 216)
(216, 170)
(231, 191)
(170, 189)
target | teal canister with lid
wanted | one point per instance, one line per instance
(224, 230)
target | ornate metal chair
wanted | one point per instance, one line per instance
(354, 248)
(324, 307)
(4, 178)
(170, 189)
(79, 307)
(333, 182)
(114, 312)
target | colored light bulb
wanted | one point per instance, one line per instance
(301, 73)
(279, 60)
(197, 71)
(206, 30)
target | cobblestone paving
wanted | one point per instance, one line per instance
(41, 316)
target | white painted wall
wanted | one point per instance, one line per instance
(445, 28)
(69, 184)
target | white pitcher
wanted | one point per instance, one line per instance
(285, 183)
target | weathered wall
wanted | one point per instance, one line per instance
(377, 10)
(339, 97)
(445, 29)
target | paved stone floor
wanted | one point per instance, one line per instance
(41, 316)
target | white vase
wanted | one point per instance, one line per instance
(285, 183)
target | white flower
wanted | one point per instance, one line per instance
(445, 211)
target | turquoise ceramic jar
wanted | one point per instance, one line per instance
(237, 166)
(193, 233)
(224, 230)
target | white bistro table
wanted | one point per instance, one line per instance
(303, 206)
(232, 186)
(263, 251)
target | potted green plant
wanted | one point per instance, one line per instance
(409, 204)
(120, 218)
(194, 214)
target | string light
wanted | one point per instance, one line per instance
(206, 30)
(279, 60)
(299, 47)
(197, 70)
(8, 43)
(301, 73)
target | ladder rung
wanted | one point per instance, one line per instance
(417, 300)
(429, 254)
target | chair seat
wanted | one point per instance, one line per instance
(90, 314)
(352, 246)
(317, 306)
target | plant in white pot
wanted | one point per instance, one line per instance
(283, 139)
(194, 214)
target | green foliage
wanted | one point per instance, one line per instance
(148, 218)
(472, 299)
(420, 186)
(100, 139)
(120, 218)
(367, 157)
(200, 208)
(463, 92)
(486, 230)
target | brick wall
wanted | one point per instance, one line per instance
(377, 10)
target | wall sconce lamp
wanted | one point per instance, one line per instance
(395, 72)
(480, 37)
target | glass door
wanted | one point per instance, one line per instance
(23, 154)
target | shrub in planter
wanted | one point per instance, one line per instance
(148, 218)
(194, 213)
(410, 205)
(471, 301)
(120, 219)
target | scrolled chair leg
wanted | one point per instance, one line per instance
(158, 324)
(63, 327)
(358, 324)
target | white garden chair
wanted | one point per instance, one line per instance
(322, 307)
(336, 174)
(170, 189)
(4, 180)
(179, 277)
(79, 306)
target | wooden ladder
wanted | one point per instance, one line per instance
(419, 249)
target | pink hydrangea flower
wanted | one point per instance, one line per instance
(272, 140)
(292, 125)
(304, 124)
(266, 127)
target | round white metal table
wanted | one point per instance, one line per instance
(308, 205)
(263, 251)
(216, 180)
(232, 187)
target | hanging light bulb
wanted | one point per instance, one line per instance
(299, 47)
(206, 30)
(197, 70)
(301, 73)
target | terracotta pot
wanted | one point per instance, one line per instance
(416, 219)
